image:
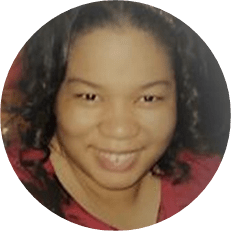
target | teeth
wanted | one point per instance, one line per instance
(117, 159)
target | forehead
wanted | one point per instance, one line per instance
(123, 57)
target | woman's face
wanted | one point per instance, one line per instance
(116, 109)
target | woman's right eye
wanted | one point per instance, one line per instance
(87, 96)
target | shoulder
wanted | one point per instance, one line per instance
(205, 163)
(17, 157)
(176, 197)
(13, 153)
(203, 168)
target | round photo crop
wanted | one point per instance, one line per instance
(115, 115)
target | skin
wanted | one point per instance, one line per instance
(128, 77)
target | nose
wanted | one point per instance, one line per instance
(119, 122)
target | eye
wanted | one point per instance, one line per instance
(150, 98)
(87, 96)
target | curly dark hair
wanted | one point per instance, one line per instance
(44, 66)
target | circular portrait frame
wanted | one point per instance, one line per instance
(20, 19)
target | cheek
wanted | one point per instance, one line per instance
(75, 121)
(160, 124)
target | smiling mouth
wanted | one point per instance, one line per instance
(119, 152)
(118, 160)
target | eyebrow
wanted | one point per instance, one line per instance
(83, 81)
(95, 85)
(155, 83)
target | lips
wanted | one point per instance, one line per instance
(117, 161)
(118, 151)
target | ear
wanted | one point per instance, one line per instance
(157, 171)
(55, 145)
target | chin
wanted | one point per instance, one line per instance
(115, 181)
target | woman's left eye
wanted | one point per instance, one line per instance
(150, 98)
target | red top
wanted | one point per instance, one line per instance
(173, 197)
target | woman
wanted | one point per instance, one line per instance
(112, 138)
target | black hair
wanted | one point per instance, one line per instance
(44, 65)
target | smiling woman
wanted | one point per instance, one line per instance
(111, 121)
(110, 102)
